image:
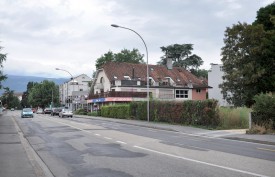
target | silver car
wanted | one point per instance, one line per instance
(27, 112)
(65, 113)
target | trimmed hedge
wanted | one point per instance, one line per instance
(189, 112)
(121, 111)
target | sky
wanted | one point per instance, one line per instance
(41, 35)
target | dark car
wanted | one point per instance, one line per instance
(27, 112)
(47, 111)
(55, 111)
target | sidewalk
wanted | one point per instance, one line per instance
(14, 160)
(236, 134)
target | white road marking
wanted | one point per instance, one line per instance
(97, 134)
(201, 162)
(108, 138)
(121, 142)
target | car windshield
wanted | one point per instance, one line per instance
(27, 110)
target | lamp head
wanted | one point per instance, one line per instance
(57, 69)
(114, 25)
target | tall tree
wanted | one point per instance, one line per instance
(124, 55)
(247, 63)
(42, 94)
(24, 101)
(182, 56)
(7, 97)
(265, 16)
(2, 59)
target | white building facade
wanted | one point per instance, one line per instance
(71, 92)
(215, 79)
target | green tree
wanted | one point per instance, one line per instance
(24, 101)
(124, 55)
(107, 57)
(7, 97)
(200, 73)
(2, 59)
(42, 94)
(182, 56)
(265, 16)
(248, 63)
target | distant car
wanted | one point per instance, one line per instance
(56, 111)
(39, 111)
(65, 113)
(12, 109)
(27, 112)
(47, 111)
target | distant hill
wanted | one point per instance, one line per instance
(19, 83)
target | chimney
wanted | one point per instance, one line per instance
(169, 63)
(133, 73)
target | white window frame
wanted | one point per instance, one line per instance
(182, 93)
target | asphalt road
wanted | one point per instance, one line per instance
(87, 147)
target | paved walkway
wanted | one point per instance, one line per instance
(14, 161)
(236, 134)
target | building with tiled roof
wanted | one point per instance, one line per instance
(128, 82)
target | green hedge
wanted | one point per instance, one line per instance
(187, 112)
(204, 113)
(121, 111)
(80, 112)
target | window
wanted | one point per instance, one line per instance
(181, 93)
(198, 90)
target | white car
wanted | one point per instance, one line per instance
(65, 113)
(39, 111)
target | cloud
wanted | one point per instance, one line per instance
(72, 34)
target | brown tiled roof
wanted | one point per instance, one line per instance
(158, 72)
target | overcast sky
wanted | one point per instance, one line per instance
(41, 35)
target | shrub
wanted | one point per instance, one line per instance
(94, 113)
(121, 111)
(81, 112)
(264, 110)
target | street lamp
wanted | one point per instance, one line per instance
(117, 26)
(68, 82)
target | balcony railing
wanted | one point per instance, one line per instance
(119, 94)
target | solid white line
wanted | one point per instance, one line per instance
(107, 138)
(201, 162)
(121, 142)
(97, 134)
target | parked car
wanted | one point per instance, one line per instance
(39, 111)
(27, 112)
(56, 111)
(47, 111)
(12, 109)
(65, 113)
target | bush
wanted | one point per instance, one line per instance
(121, 111)
(187, 112)
(81, 112)
(264, 110)
(94, 113)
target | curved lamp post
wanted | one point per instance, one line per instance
(148, 109)
(68, 81)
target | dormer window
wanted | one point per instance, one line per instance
(127, 77)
